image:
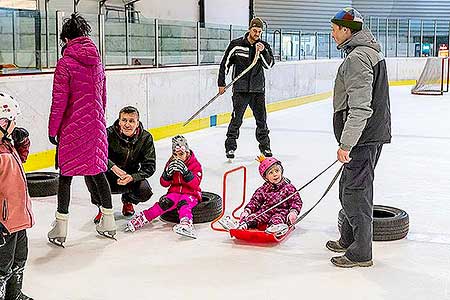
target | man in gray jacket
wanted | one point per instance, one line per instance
(362, 124)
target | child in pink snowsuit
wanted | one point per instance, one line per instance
(182, 174)
(275, 189)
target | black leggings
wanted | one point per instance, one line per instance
(101, 188)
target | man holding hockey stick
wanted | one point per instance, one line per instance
(250, 89)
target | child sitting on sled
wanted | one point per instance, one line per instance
(182, 174)
(275, 189)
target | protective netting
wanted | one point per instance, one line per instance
(434, 77)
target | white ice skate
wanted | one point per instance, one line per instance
(137, 222)
(185, 228)
(57, 235)
(229, 223)
(277, 229)
(107, 226)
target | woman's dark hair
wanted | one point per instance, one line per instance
(74, 27)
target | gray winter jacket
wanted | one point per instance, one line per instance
(361, 94)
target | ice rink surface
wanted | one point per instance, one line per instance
(154, 263)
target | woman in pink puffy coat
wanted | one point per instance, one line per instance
(77, 124)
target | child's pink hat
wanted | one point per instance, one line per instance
(265, 163)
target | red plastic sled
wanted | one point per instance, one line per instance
(258, 236)
(248, 235)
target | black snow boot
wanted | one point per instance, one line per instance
(14, 286)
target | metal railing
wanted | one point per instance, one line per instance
(30, 40)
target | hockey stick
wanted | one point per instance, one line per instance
(298, 190)
(255, 60)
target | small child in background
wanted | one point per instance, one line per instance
(15, 205)
(182, 175)
(275, 189)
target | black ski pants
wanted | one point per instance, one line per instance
(13, 256)
(134, 192)
(257, 103)
(356, 196)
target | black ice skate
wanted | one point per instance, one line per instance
(266, 152)
(230, 155)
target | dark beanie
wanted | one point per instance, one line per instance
(256, 22)
(350, 18)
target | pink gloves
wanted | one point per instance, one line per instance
(244, 215)
(292, 217)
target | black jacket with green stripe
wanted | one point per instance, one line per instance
(240, 54)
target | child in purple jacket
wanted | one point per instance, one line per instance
(275, 189)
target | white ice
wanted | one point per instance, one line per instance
(154, 263)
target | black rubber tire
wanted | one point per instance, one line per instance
(42, 184)
(206, 211)
(389, 223)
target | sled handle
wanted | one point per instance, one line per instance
(225, 175)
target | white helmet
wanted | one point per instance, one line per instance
(9, 108)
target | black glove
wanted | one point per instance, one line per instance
(53, 140)
(18, 135)
(181, 167)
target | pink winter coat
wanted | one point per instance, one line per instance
(15, 204)
(178, 185)
(270, 194)
(77, 115)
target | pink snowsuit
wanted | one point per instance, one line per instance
(77, 116)
(268, 195)
(183, 195)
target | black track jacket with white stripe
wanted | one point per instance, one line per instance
(240, 54)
